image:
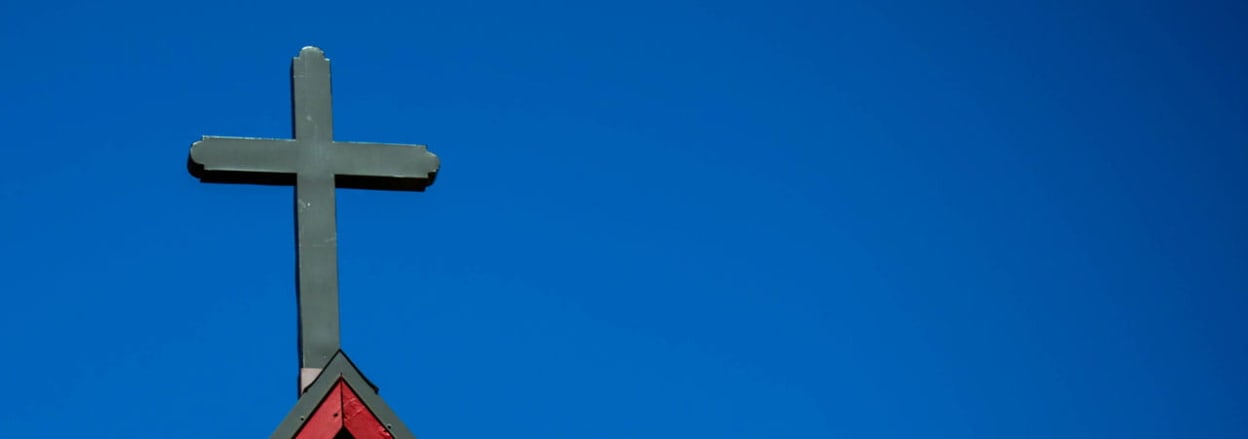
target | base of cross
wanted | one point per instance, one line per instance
(341, 404)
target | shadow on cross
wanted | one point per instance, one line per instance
(288, 179)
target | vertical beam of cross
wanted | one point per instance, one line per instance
(315, 213)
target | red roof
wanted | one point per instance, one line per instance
(341, 415)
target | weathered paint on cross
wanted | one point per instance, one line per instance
(315, 164)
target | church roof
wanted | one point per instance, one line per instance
(341, 403)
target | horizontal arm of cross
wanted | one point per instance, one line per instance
(243, 160)
(383, 166)
(277, 161)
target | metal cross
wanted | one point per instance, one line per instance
(314, 164)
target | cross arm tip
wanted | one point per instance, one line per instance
(196, 151)
(192, 165)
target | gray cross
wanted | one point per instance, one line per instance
(315, 164)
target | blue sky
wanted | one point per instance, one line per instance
(654, 219)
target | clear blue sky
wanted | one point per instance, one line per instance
(903, 219)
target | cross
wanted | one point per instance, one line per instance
(315, 165)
